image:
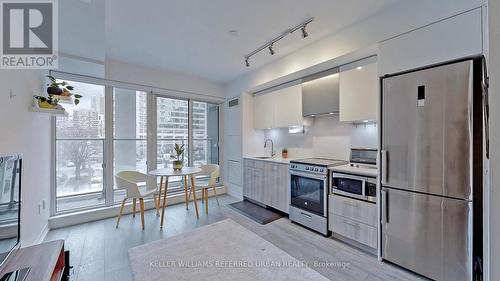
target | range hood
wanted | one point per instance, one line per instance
(320, 93)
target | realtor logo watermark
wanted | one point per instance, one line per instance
(29, 35)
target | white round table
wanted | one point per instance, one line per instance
(164, 174)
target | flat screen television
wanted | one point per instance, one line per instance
(10, 206)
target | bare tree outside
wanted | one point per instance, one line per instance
(80, 147)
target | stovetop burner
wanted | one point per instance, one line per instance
(315, 165)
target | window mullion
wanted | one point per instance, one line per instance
(152, 131)
(190, 133)
(108, 147)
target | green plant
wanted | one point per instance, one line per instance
(179, 150)
(58, 88)
(284, 150)
(61, 85)
(50, 100)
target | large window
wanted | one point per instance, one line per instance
(205, 133)
(144, 128)
(80, 151)
(129, 133)
(172, 127)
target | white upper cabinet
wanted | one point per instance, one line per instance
(358, 83)
(288, 107)
(456, 37)
(263, 111)
(278, 109)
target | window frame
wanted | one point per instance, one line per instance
(108, 153)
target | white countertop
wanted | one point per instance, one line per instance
(275, 159)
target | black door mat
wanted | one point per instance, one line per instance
(255, 212)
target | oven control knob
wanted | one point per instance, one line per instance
(316, 169)
(321, 170)
(307, 168)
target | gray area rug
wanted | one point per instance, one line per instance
(255, 212)
(220, 251)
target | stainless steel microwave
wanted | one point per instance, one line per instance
(358, 187)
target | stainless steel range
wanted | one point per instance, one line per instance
(309, 182)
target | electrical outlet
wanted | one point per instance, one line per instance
(39, 209)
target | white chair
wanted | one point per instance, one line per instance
(212, 171)
(129, 181)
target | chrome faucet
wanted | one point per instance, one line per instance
(272, 146)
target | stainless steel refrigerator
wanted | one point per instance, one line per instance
(433, 150)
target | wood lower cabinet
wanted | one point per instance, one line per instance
(267, 183)
(276, 186)
(354, 230)
(353, 219)
(357, 210)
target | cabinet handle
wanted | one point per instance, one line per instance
(351, 204)
(306, 215)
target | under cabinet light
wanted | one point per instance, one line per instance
(296, 130)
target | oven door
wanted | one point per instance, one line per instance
(308, 192)
(347, 185)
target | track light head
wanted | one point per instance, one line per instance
(271, 50)
(304, 32)
(247, 63)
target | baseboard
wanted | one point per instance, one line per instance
(112, 211)
(43, 234)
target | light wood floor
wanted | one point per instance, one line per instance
(99, 251)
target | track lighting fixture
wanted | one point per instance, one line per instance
(270, 45)
(271, 50)
(304, 32)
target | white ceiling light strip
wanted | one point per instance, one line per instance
(270, 45)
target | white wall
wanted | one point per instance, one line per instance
(121, 71)
(82, 28)
(27, 133)
(327, 138)
(494, 73)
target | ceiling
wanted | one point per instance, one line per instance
(191, 36)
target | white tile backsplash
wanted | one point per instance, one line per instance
(327, 137)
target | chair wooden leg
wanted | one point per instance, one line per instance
(141, 202)
(193, 189)
(202, 196)
(216, 199)
(121, 211)
(133, 207)
(156, 205)
(205, 190)
(186, 192)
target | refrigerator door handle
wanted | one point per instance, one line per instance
(385, 206)
(486, 108)
(384, 166)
